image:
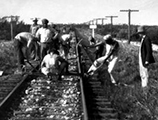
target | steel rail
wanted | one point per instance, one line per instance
(7, 100)
(81, 82)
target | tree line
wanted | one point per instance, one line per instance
(118, 31)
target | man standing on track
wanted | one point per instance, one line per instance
(33, 29)
(44, 34)
(145, 56)
(22, 42)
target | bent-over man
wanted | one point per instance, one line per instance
(23, 42)
(111, 56)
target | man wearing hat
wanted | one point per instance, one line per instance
(111, 56)
(33, 29)
(145, 55)
(44, 34)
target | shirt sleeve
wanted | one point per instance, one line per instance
(38, 33)
(108, 49)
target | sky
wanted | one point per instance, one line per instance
(80, 11)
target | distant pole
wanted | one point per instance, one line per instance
(111, 17)
(129, 22)
(11, 27)
(102, 20)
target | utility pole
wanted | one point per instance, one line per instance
(11, 26)
(111, 18)
(102, 20)
(129, 21)
(11, 19)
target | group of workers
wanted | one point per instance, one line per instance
(114, 51)
(51, 41)
(47, 44)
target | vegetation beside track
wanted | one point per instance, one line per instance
(7, 57)
(128, 97)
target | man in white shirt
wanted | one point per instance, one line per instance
(53, 63)
(65, 41)
(44, 34)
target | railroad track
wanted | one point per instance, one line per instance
(43, 98)
(10, 86)
(99, 106)
(75, 97)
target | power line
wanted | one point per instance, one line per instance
(102, 20)
(129, 21)
(111, 18)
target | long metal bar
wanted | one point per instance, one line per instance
(81, 83)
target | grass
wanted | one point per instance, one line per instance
(7, 57)
(129, 98)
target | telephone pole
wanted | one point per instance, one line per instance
(129, 21)
(111, 18)
(102, 20)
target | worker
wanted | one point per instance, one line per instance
(113, 49)
(33, 29)
(44, 34)
(54, 64)
(23, 42)
(65, 44)
(99, 48)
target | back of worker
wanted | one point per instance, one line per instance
(23, 42)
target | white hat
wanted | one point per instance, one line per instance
(140, 29)
(106, 37)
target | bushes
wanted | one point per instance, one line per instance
(5, 29)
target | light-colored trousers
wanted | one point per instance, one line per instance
(143, 74)
(112, 62)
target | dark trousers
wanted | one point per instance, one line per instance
(99, 51)
(20, 50)
(63, 68)
(43, 50)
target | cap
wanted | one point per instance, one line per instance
(140, 29)
(107, 37)
(45, 21)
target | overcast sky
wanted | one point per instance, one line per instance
(79, 11)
